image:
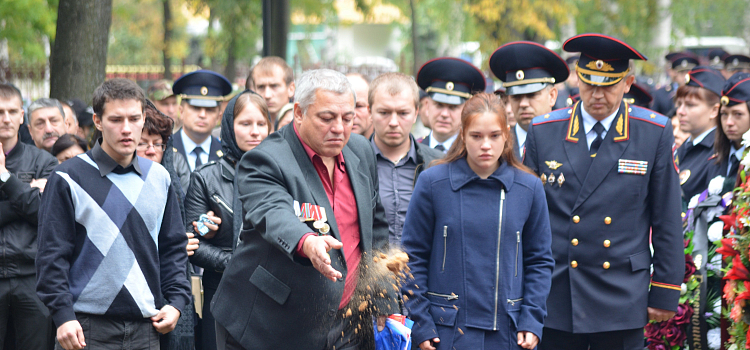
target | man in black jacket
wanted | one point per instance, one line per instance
(23, 170)
(394, 106)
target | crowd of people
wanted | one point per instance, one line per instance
(542, 214)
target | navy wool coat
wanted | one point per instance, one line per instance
(480, 255)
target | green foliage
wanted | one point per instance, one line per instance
(709, 17)
(630, 20)
(23, 23)
(137, 33)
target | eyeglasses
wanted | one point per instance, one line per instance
(157, 147)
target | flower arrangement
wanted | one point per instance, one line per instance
(701, 284)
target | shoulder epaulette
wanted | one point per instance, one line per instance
(649, 116)
(562, 114)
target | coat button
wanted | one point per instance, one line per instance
(331, 312)
(607, 243)
(576, 219)
(606, 265)
(607, 220)
(574, 264)
(574, 241)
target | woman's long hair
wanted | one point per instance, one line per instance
(477, 105)
(722, 144)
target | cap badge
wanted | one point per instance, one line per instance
(600, 66)
(735, 62)
(519, 75)
(204, 91)
(684, 63)
(449, 86)
(724, 100)
(716, 59)
(687, 78)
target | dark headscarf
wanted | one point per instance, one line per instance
(233, 154)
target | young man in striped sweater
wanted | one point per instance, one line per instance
(111, 261)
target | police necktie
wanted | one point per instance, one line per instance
(734, 164)
(598, 128)
(198, 162)
(440, 148)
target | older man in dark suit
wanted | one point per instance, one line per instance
(311, 213)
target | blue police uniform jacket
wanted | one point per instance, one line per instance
(480, 256)
(695, 163)
(603, 214)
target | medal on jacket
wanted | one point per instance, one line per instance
(315, 213)
(560, 180)
(551, 179)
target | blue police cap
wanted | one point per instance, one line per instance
(526, 67)
(736, 62)
(604, 60)
(202, 88)
(637, 96)
(716, 58)
(736, 90)
(707, 78)
(683, 61)
(450, 80)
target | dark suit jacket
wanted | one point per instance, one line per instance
(213, 155)
(269, 297)
(602, 216)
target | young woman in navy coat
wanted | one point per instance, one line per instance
(478, 237)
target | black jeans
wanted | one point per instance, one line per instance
(102, 332)
(20, 305)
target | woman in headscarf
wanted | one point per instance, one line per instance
(213, 192)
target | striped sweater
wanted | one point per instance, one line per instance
(111, 242)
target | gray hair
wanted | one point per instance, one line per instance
(326, 79)
(46, 103)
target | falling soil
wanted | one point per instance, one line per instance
(380, 276)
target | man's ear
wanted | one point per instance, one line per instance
(97, 122)
(297, 113)
(552, 96)
(291, 90)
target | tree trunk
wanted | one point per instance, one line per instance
(275, 27)
(230, 71)
(414, 40)
(167, 40)
(78, 61)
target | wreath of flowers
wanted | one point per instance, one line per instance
(673, 334)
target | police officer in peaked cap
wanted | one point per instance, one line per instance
(529, 72)
(449, 82)
(607, 166)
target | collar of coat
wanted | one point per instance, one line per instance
(461, 174)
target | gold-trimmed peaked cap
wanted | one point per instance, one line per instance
(202, 88)
(604, 60)
(526, 67)
(450, 80)
(736, 62)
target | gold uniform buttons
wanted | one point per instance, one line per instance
(574, 242)
(607, 243)
(607, 220)
(576, 219)
(606, 265)
(574, 264)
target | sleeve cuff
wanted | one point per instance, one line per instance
(299, 251)
(664, 296)
(63, 315)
